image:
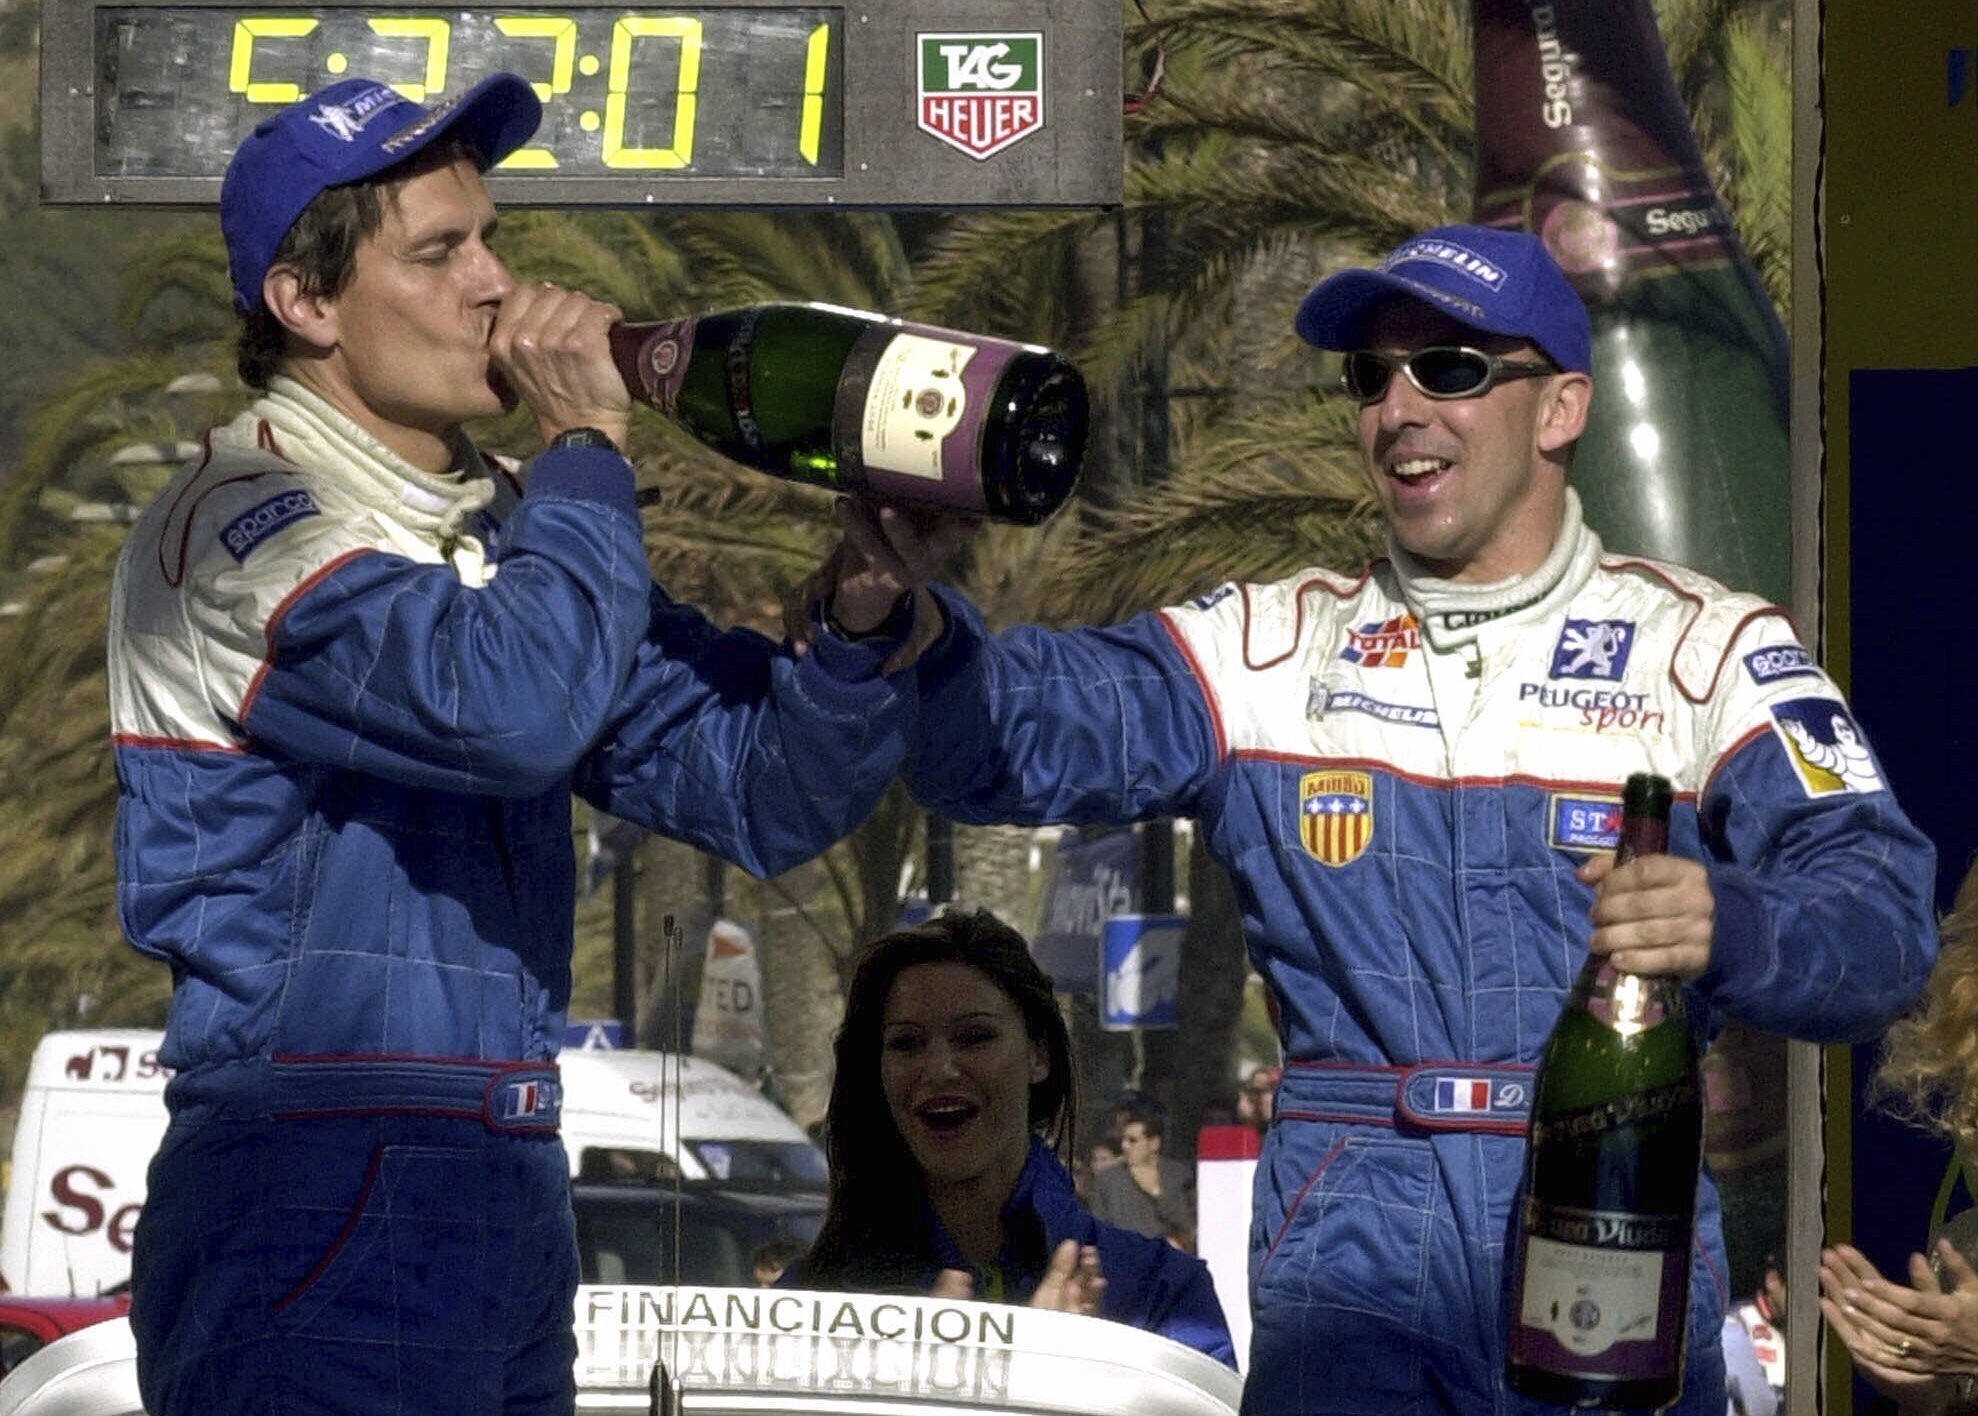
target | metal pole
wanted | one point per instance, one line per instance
(624, 942)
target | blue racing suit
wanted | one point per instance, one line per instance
(1400, 776)
(1150, 1284)
(351, 701)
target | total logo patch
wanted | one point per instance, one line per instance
(1777, 661)
(1382, 644)
(1593, 649)
(1825, 747)
(1214, 597)
(251, 528)
(1582, 823)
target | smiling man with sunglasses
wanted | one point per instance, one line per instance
(1413, 775)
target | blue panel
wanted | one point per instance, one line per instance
(1914, 683)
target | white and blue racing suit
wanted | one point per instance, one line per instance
(351, 701)
(1400, 776)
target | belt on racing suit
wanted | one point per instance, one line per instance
(509, 1098)
(1492, 1097)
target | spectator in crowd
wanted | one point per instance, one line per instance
(1762, 1319)
(1917, 1341)
(1102, 1155)
(951, 1104)
(1149, 1193)
(1255, 1101)
(772, 1257)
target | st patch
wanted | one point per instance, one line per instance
(1582, 823)
(1825, 747)
(1335, 815)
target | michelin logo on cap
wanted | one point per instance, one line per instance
(1449, 253)
(345, 121)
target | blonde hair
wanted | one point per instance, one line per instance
(1929, 1068)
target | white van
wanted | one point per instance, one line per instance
(669, 1116)
(93, 1112)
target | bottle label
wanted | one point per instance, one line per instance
(1603, 1294)
(741, 399)
(915, 402)
(659, 364)
(923, 411)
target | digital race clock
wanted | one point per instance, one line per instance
(885, 103)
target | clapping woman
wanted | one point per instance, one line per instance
(1917, 1342)
(949, 1114)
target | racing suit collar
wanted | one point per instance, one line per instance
(1042, 1198)
(1451, 614)
(310, 432)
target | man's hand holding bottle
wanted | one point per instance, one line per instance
(889, 551)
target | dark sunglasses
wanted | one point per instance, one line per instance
(1440, 371)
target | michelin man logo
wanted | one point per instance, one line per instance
(344, 121)
(1825, 747)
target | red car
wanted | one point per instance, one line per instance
(29, 1324)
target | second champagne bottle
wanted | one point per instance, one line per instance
(1600, 1290)
(866, 405)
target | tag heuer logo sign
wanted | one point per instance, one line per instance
(981, 92)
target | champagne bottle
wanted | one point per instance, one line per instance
(863, 404)
(1601, 1275)
(1583, 139)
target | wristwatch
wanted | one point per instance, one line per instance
(584, 437)
(898, 621)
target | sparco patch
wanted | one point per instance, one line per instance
(251, 528)
(1777, 661)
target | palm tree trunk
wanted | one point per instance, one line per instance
(992, 870)
(802, 1005)
(1214, 967)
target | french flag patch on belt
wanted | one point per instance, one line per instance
(1462, 1094)
(525, 1102)
(1480, 1096)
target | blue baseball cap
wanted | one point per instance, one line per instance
(353, 129)
(1500, 282)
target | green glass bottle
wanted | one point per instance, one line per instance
(1601, 1272)
(863, 404)
(1583, 139)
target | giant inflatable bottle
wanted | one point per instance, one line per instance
(1583, 139)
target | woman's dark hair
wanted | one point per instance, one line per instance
(322, 250)
(868, 1239)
